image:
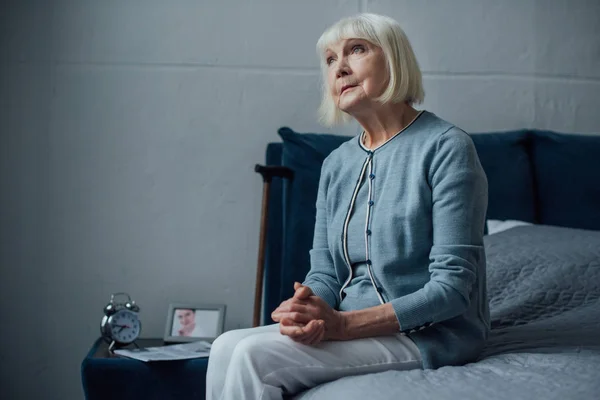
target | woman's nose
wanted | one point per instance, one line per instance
(342, 68)
(342, 72)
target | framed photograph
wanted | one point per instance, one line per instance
(191, 322)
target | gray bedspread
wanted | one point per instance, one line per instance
(544, 293)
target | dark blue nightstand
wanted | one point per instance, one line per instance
(107, 376)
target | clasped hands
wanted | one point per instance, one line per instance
(307, 319)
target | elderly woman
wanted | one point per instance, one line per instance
(397, 274)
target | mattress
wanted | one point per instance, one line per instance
(544, 294)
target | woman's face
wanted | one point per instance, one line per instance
(356, 73)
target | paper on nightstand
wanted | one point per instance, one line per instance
(171, 352)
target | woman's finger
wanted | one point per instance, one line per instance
(291, 305)
(288, 302)
(320, 334)
(308, 334)
(296, 306)
(298, 333)
(287, 307)
(275, 316)
(316, 338)
(294, 316)
(277, 311)
(312, 334)
(289, 322)
(288, 329)
(302, 292)
(307, 339)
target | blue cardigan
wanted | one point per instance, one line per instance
(428, 201)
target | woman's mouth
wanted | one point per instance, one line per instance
(346, 87)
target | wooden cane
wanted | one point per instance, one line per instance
(267, 172)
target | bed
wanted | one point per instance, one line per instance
(543, 275)
(544, 294)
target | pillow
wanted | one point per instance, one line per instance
(505, 159)
(304, 153)
(567, 173)
(496, 226)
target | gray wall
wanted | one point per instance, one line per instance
(130, 128)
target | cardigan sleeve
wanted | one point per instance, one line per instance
(459, 205)
(321, 277)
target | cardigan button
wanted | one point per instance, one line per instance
(371, 202)
(369, 262)
(372, 176)
(368, 231)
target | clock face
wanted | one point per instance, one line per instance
(125, 326)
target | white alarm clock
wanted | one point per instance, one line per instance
(120, 324)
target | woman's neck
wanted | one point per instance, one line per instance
(384, 122)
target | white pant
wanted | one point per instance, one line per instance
(261, 363)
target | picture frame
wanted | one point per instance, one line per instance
(190, 322)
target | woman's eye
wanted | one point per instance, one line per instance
(357, 49)
(329, 60)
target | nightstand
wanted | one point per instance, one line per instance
(108, 376)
